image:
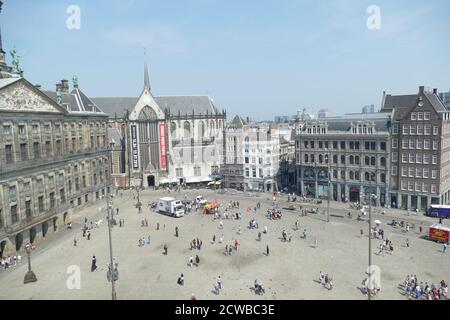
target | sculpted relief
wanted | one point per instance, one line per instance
(19, 97)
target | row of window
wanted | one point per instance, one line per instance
(260, 171)
(417, 186)
(197, 171)
(352, 145)
(413, 129)
(420, 116)
(419, 144)
(415, 158)
(46, 128)
(352, 160)
(355, 175)
(14, 213)
(417, 172)
(48, 150)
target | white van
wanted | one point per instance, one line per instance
(171, 207)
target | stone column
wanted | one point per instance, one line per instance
(409, 201)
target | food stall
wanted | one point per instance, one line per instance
(209, 208)
(439, 233)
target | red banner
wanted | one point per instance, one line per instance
(162, 145)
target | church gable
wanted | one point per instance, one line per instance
(146, 108)
(21, 96)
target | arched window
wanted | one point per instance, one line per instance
(382, 178)
(357, 178)
(352, 159)
(306, 158)
(343, 174)
(147, 113)
(335, 159)
(320, 158)
(367, 161)
(366, 176)
(211, 124)
(203, 129)
(352, 175)
(173, 128)
(383, 162)
(335, 174)
(372, 176)
(357, 160)
(372, 161)
(342, 159)
(187, 129)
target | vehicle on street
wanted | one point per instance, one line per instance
(171, 207)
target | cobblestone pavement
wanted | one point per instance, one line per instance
(289, 272)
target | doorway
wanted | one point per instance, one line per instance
(2, 248)
(151, 181)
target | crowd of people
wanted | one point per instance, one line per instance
(422, 290)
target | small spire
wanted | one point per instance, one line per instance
(146, 77)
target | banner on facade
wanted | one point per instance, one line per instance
(162, 145)
(134, 147)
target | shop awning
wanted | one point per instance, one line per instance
(197, 179)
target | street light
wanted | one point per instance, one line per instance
(371, 196)
(111, 274)
(327, 158)
(29, 276)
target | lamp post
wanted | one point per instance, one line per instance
(112, 274)
(327, 159)
(29, 276)
(371, 196)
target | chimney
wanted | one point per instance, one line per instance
(58, 87)
(421, 89)
(435, 91)
(65, 86)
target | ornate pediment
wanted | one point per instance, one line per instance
(20, 97)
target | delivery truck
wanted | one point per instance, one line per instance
(171, 207)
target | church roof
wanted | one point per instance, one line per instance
(183, 105)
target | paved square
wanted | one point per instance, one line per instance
(289, 272)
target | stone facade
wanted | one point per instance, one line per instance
(346, 156)
(54, 160)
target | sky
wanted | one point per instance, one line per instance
(254, 58)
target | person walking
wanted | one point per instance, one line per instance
(214, 239)
(220, 225)
(180, 280)
(444, 248)
(75, 242)
(267, 250)
(165, 249)
(407, 242)
(94, 264)
(197, 260)
(176, 232)
(361, 232)
(191, 260)
(157, 226)
(259, 236)
(89, 235)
